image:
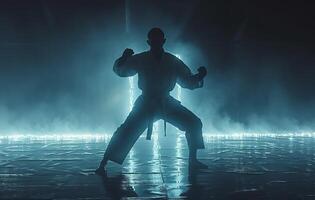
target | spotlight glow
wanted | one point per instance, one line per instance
(56, 137)
(104, 136)
(177, 55)
(178, 88)
(131, 92)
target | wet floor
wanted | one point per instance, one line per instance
(248, 167)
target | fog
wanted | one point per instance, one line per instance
(56, 64)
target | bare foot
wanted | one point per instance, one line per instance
(101, 171)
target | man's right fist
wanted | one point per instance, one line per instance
(128, 53)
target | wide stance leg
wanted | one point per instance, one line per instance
(126, 135)
(185, 120)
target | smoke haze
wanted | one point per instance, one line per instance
(56, 62)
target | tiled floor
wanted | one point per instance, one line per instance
(250, 167)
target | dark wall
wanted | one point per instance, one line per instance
(56, 59)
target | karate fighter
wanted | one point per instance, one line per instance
(158, 72)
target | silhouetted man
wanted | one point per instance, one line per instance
(158, 72)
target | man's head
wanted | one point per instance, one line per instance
(156, 38)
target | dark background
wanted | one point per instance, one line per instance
(56, 62)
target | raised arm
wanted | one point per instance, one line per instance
(126, 65)
(188, 80)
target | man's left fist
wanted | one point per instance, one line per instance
(202, 71)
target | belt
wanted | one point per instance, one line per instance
(150, 128)
(150, 123)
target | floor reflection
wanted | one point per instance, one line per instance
(240, 167)
(118, 187)
(194, 190)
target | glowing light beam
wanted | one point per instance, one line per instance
(178, 88)
(104, 136)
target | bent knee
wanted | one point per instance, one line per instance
(198, 123)
(195, 125)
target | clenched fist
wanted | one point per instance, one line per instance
(128, 53)
(202, 72)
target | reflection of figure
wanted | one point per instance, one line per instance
(117, 187)
(194, 190)
(158, 72)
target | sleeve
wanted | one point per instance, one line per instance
(126, 66)
(185, 78)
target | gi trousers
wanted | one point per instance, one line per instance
(143, 112)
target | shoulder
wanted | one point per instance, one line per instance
(141, 55)
(175, 60)
(171, 56)
(138, 58)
